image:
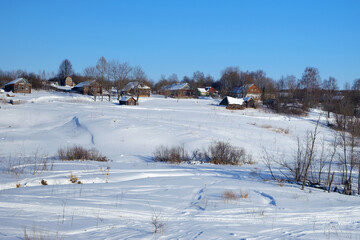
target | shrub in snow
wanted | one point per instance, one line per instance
(224, 153)
(217, 153)
(171, 155)
(80, 153)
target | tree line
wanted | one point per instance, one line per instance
(308, 91)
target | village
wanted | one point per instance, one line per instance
(240, 97)
(246, 96)
(188, 120)
(147, 174)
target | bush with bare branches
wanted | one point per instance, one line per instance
(80, 153)
(224, 153)
(171, 155)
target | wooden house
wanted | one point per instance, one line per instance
(127, 100)
(178, 90)
(67, 82)
(249, 90)
(88, 88)
(134, 88)
(19, 85)
(202, 92)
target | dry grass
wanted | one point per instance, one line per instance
(43, 182)
(277, 130)
(229, 195)
(35, 234)
(80, 153)
(73, 178)
(244, 195)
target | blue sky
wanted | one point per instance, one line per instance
(173, 36)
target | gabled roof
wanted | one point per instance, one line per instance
(132, 85)
(230, 100)
(177, 86)
(17, 81)
(338, 98)
(85, 83)
(246, 99)
(242, 89)
(202, 90)
(126, 98)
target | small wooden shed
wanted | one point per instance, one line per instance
(19, 85)
(249, 102)
(233, 103)
(127, 100)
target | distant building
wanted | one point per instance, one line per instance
(249, 90)
(127, 100)
(88, 88)
(67, 82)
(206, 91)
(134, 88)
(233, 103)
(238, 103)
(210, 90)
(19, 85)
(178, 90)
(202, 92)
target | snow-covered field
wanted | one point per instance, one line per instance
(122, 198)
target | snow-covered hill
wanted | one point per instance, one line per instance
(126, 197)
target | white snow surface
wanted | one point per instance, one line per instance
(118, 199)
(237, 101)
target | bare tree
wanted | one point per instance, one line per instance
(268, 161)
(230, 78)
(334, 146)
(138, 75)
(102, 68)
(330, 87)
(123, 71)
(91, 73)
(65, 69)
(310, 82)
(310, 152)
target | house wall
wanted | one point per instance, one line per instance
(88, 90)
(182, 93)
(18, 88)
(130, 101)
(68, 82)
(142, 92)
(254, 92)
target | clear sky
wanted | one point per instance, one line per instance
(181, 36)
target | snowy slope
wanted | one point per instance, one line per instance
(119, 198)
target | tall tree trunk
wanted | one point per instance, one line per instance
(331, 181)
(311, 154)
